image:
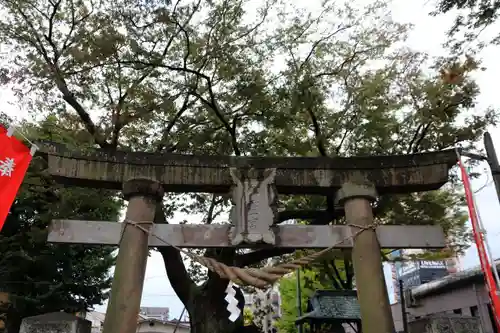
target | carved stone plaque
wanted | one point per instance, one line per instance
(254, 207)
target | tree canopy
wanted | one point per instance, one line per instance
(40, 277)
(473, 17)
(244, 78)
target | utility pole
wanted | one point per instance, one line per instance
(492, 159)
(402, 301)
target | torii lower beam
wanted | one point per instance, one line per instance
(217, 236)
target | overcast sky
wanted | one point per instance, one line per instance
(427, 36)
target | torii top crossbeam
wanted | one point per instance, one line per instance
(294, 175)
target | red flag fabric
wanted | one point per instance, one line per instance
(486, 265)
(15, 158)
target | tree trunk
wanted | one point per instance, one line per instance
(206, 322)
(205, 319)
(206, 304)
(208, 309)
(12, 323)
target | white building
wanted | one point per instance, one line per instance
(401, 268)
(160, 313)
(158, 326)
(97, 320)
(144, 324)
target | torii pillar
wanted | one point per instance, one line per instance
(143, 196)
(376, 314)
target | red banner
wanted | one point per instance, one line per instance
(15, 158)
(486, 265)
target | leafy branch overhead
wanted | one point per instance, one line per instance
(474, 24)
(243, 78)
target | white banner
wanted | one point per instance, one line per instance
(410, 266)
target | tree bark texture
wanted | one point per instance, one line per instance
(207, 309)
(12, 322)
(144, 196)
(205, 304)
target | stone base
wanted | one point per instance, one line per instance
(55, 322)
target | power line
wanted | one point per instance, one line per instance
(159, 295)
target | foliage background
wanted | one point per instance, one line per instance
(235, 78)
(40, 277)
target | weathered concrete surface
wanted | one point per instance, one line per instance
(287, 236)
(254, 210)
(189, 173)
(376, 315)
(55, 322)
(128, 279)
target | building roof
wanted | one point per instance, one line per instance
(455, 280)
(154, 310)
(166, 323)
(94, 315)
(99, 316)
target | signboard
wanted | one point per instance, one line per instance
(410, 266)
(411, 279)
(336, 304)
(432, 264)
(431, 274)
(423, 275)
(417, 272)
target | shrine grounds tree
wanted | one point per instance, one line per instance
(243, 78)
(40, 277)
(473, 18)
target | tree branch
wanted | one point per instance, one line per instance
(164, 139)
(307, 214)
(422, 136)
(210, 103)
(319, 41)
(55, 8)
(62, 85)
(229, 129)
(257, 256)
(128, 118)
(337, 274)
(176, 271)
(412, 141)
(331, 275)
(68, 41)
(349, 274)
(317, 133)
(84, 115)
(210, 214)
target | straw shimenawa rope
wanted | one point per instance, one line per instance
(258, 277)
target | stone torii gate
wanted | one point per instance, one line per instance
(254, 184)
